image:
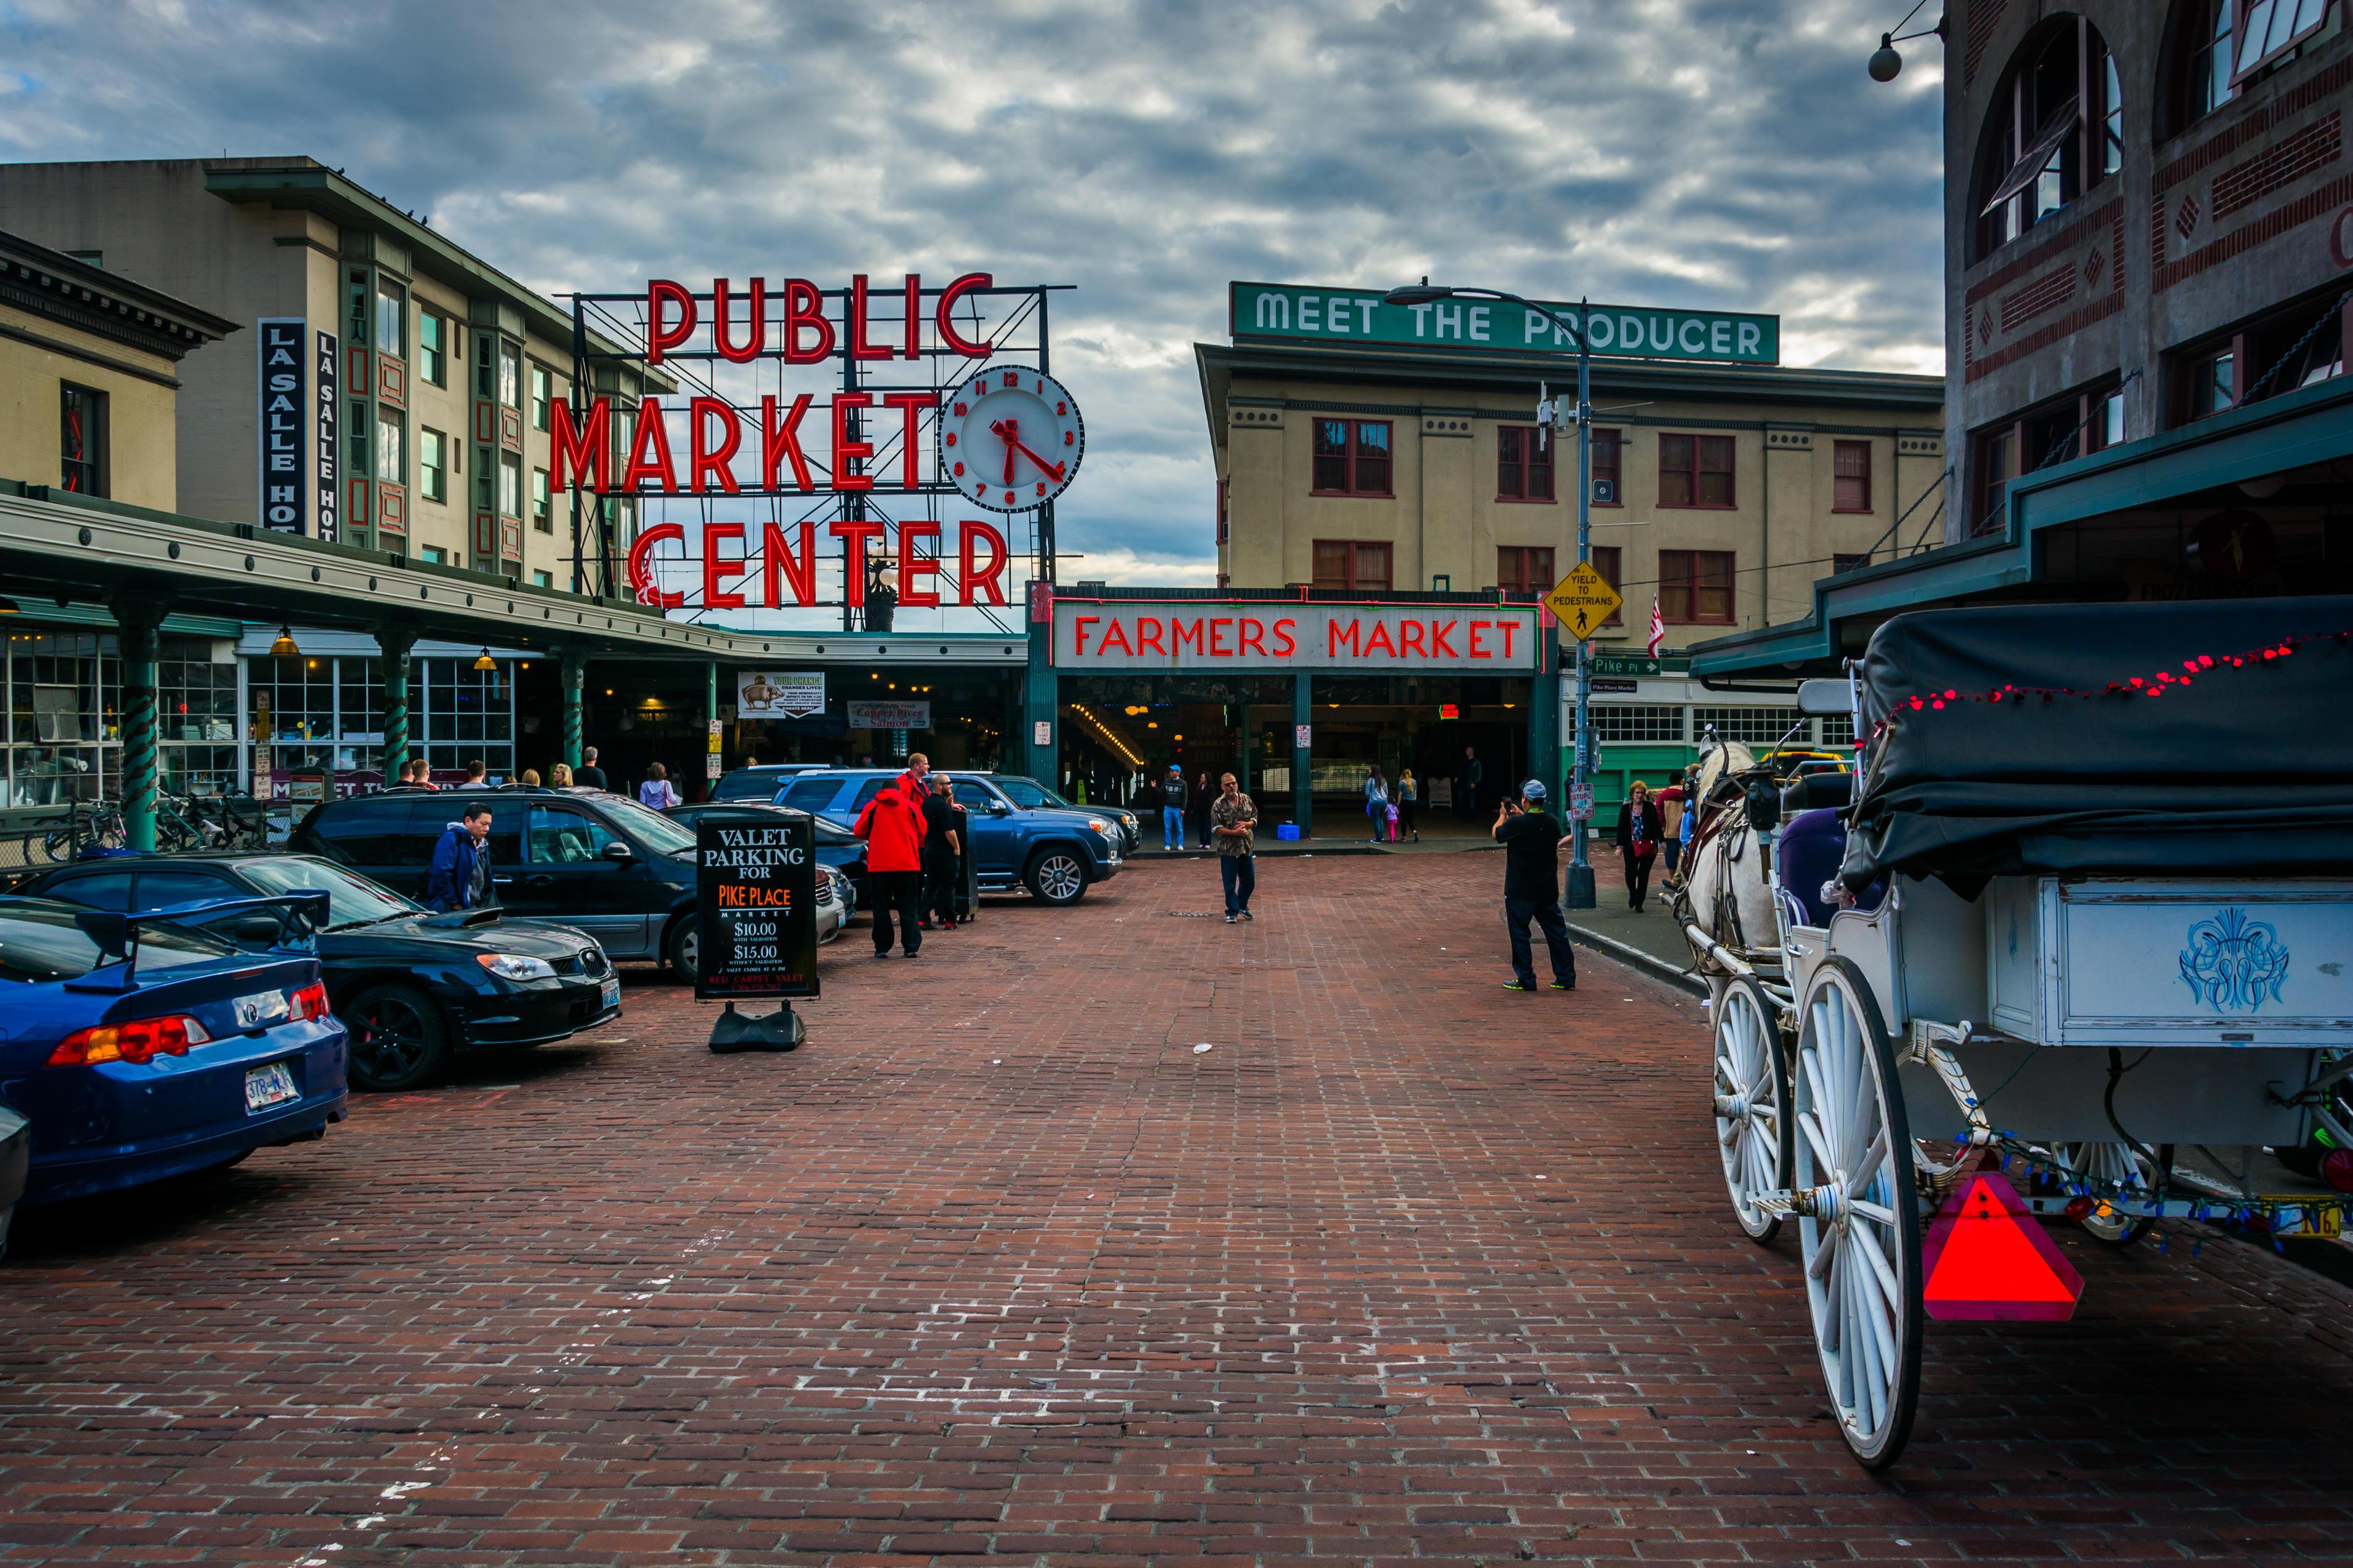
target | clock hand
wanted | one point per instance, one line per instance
(1013, 444)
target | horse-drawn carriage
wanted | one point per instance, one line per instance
(2082, 910)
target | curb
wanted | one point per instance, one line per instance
(1650, 964)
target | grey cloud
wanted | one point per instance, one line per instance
(1724, 152)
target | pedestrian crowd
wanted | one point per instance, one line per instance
(916, 836)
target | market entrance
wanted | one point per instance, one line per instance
(1301, 697)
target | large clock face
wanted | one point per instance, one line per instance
(1010, 438)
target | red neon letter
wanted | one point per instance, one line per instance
(1478, 648)
(778, 442)
(641, 567)
(914, 318)
(759, 304)
(1218, 624)
(1439, 646)
(805, 307)
(1148, 636)
(658, 293)
(1334, 637)
(1410, 640)
(1254, 635)
(579, 454)
(1078, 632)
(858, 347)
(1179, 634)
(777, 559)
(910, 405)
(1287, 645)
(975, 577)
(1115, 631)
(715, 565)
(945, 321)
(853, 534)
(1379, 641)
(845, 450)
(912, 567)
(650, 450)
(1509, 627)
(704, 462)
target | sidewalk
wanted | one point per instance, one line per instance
(1649, 941)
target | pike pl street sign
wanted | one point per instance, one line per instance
(1582, 601)
(1362, 317)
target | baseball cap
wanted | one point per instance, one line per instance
(1532, 790)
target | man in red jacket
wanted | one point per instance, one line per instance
(892, 826)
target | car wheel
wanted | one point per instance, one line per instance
(1058, 877)
(684, 949)
(398, 1037)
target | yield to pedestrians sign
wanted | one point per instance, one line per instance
(1583, 600)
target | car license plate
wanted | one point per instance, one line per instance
(269, 1086)
(612, 991)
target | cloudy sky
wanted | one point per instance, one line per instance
(1675, 152)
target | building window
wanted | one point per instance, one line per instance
(1352, 564)
(358, 296)
(1523, 464)
(1609, 559)
(1695, 586)
(2106, 426)
(81, 439)
(1695, 471)
(541, 518)
(2217, 45)
(434, 555)
(355, 440)
(1752, 726)
(542, 579)
(2210, 379)
(90, 258)
(1525, 569)
(1223, 524)
(1624, 722)
(510, 484)
(486, 374)
(1607, 449)
(391, 320)
(1352, 458)
(2055, 130)
(433, 347)
(1845, 561)
(391, 461)
(509, 376)
(432, 463)
(1992, 465)
(1850, 477)
(542, 392)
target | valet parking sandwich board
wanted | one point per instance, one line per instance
(755, 891)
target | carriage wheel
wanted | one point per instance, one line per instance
(2120, 1164)
(1859, 1229)
(1753, 1130)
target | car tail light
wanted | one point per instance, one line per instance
(141, 1040)
(308, 1004)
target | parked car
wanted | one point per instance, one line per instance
(1057, 854)
(838, 849)
(1028, 794)
(139, 1048)
(413, 988)
(760, 783)
(598, 862)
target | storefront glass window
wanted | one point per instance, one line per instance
(468, 715)
(56, 719)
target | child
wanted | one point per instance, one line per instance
(1393, 822)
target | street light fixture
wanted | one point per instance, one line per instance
(1580, 864)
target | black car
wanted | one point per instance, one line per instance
(600, 863)
(411, 986)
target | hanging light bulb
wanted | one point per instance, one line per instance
(284, 647)
(486, 663)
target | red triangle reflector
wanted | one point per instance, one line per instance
(1988, 1258)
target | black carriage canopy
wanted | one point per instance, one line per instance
(2240, 765)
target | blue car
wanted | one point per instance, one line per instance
(139, 1048)
(1056, 853)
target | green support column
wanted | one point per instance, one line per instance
(1303, 794)
(1041, 705)
(393, 645)
(710, 719)
(574, 672)
(136, 623)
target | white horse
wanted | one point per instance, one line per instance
(1724, 890)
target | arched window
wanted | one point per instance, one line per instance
(2215, 46)
(2055, 130)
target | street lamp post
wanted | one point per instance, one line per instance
(1580, 865)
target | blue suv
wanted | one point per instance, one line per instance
(1055, 853)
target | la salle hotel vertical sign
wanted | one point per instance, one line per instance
(295, 387)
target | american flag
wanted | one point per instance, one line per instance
(1658, 626)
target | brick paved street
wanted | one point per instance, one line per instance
(1405, 1268)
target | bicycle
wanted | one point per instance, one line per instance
(62, 838)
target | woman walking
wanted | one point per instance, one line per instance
(560, 776)
(1203, 799)
(1638, 841)
(656, 793)
(1377, 802)
(1407, 796)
